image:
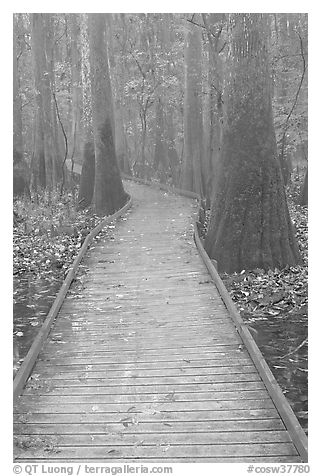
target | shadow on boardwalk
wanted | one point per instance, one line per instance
(144, 362)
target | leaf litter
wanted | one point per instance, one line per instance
(47, 236)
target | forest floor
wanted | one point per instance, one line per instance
(47, 235)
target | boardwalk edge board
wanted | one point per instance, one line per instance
(31, 357)
(292, 424)
(286, 413)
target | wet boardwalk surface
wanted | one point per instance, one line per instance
(144, 363)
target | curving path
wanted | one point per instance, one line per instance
(144, 362)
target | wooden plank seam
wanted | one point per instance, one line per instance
(31, 357)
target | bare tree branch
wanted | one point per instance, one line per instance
(286, 126)
(26, 103)
(220, 51)
(294, 350)
(66, 143)
(136, 60)
(196, 24)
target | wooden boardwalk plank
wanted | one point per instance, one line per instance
(141, 408)
(158, 451)
(146, 428)
(152, 397)
(168, 417)
(144, 362)
(170, 438)
(43, 389)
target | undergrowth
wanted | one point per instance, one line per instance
(48, 233)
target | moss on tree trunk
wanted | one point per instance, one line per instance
(250, 226)
(87, 178)
(109, 194)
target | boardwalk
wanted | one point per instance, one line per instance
(144, 362)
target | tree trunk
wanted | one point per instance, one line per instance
(38, 164)
(59, 150)
(122, 149)
(143, 145)
(42, 51)
(250, 226)
(304, 191)
(46, 62)
(172, 152)
(17, 116)
(121, 143)
(87, 178)
(193, 134)
(76, 101)
(109, 194)
(282, 93)
(110, 39)
(165, 150)
(55, 133)
(213, 113)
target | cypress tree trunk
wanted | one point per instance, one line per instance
(121, 143)
(122, 149)
(38, 164)
(109, 194)
(282, 93)
(44, 53)
(53, 148)
(20, 168)
(17, 116)
(44, 136)
(87, 178)
(250, 226)
(76, 130)
(304, 191)
(213, 110)
(193, 133)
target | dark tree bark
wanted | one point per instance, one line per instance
(109, 194)
(304, 191)
(38, 164)
(42, 28)
(55, 136)
(17, 116)
(76, 129)
(87, 178)
(121, 143)
(193, 132)
(213, 108)
(250, 226)
(20, 183)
